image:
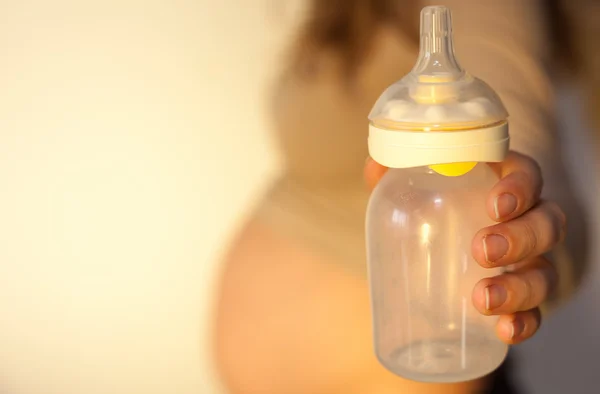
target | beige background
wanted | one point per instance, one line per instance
(133, 142)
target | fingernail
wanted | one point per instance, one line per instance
(516, 328)
(495, 296)
(504, 205)
(495, 247)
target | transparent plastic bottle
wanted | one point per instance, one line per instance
(436, 129)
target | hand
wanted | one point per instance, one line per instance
(527, 228)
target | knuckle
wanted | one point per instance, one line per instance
(527, 293)
(536, 284)
(557, 211)
(529, 238)
(525, 178)
(558, 222)
(533, 172)
(531, 185)
(536, 170)
(533, 166)
(544, 227)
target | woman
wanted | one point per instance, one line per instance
(294, 314)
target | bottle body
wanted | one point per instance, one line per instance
(420, 227)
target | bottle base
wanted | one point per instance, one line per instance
(447, 360)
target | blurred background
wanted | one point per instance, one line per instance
(182, 202)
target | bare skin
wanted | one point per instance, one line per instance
(291, 321)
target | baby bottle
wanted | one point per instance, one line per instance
(435, 129)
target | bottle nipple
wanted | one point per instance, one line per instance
(436, 67)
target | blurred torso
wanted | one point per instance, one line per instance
(294, 311)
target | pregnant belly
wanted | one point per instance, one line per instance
(293, 321)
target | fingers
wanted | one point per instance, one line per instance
(518, 190)
(520, 290)
(532, 234)
(516, 297)
(373, 172)
(528, 228)
(517, 327)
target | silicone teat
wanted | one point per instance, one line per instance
(436, 56)
(436, 67)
